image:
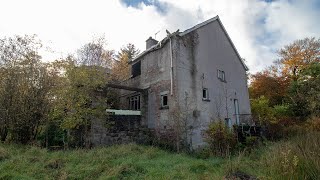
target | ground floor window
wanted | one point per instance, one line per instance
(205, 94)
(164, 100)
(134, 102)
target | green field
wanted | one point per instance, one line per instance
(298, 158)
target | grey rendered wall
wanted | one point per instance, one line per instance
(155, 77)
(196, 68)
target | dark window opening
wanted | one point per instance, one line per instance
(136, 69)
(205, 93)
(164, 100)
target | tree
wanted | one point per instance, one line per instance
(287, 81)
(121, 68)
(79, 97)
(95, 53)
(298, 55)
(24, 86)
(271, 86)
(130, 51)
(305, 92)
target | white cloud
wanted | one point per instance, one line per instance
(257, 28)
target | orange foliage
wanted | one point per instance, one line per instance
(269, 85)
(296, 56)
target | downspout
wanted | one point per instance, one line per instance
(171, 69)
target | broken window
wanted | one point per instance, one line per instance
(164, 101)
(221, 75)
(134, 102)
(136, 69)
(205, 94)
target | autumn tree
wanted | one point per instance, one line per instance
(298, 55)
(287, 81)
(121, 69)
(269, 85)
(130, 51)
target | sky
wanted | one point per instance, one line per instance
(258, 28)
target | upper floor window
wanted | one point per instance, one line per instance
(221, 75)
(136, 69)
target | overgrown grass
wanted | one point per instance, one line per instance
(297, 158)
(117, 162)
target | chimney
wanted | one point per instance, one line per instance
(150, 42)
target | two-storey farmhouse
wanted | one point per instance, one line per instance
(196, 75)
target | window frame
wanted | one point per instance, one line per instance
(135, 102)
(162, 105)
(205, 91)
(221, 75)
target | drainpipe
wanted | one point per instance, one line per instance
(171, 69)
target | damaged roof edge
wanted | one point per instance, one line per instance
(163, 41)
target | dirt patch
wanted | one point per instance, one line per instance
(238, 175)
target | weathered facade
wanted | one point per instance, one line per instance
(196, 75)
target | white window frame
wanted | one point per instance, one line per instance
(206, 93)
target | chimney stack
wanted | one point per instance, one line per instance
(150, 42)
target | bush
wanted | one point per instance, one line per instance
(221, 139)
(261, 111)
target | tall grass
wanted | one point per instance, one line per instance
(296, 158)
(117, 162)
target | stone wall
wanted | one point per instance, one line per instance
(119, 129)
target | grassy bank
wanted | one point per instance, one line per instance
(297, 158)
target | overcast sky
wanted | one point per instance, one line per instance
(257, 28)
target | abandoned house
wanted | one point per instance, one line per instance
(191, 78)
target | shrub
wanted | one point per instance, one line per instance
(202, 153)
(221, 139)
(261, 110)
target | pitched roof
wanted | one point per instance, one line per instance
(199, 26)
(216, 18)
(163, 41)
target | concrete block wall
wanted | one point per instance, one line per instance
(119, 129)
